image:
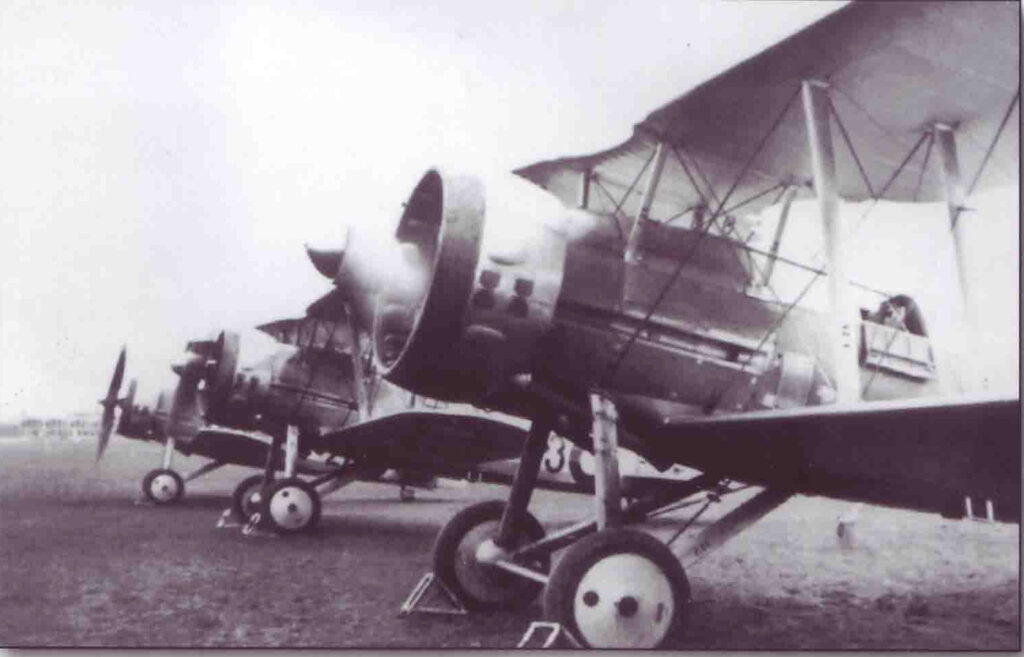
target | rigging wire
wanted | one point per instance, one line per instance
(924, 164)
(682, 262)
(992, 145)
(853, 151)
(700, 172)
(759, 195)
(632, 185)
(818, 273)
(693, 183)
(613, 217)
(995, 139)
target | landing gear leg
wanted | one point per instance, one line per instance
(247, 498)
(163, 485)
(616, 588)
(523, 483)
(471, 552)
(290, 505)
(606, 462)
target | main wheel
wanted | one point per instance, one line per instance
(290, 506)
(247, 497)
(162, 486)
(618, 588)
(478, 585)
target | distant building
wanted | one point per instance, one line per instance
(76, 426)
(55, 428)
(10, 430)
(83, 425)
(32, 428)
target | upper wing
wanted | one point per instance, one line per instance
(894, 69)
(926, 455)
(440, 442)
(309, 332)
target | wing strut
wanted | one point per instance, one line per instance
(643, 214)
(358, 375)
(787, 200)
(844, 328)
(584, 195)
(956, 197)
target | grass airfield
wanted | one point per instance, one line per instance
(82, 565)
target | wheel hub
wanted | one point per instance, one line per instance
(163, 487)
(476, 554)
(291, 508)
(489, 552)
(624, 601)
(251, 501)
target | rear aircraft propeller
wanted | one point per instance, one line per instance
(109, 403)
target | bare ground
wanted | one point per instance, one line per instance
(81, 565)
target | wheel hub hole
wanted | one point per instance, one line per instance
(590, 598)
(628, 606)
(292, 508)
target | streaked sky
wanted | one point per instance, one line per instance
(162, 164)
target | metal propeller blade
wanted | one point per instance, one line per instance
(109, 403)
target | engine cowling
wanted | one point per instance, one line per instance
(222, 365)
(459, 321)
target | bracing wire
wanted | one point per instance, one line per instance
(683, 261)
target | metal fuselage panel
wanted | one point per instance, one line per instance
(298, 388)
(708, 343)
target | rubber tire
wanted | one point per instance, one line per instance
(268, 494)
(147, 482)
(244, 486)
(560, 593)
(522, 592)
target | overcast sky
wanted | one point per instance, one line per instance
(162, 163)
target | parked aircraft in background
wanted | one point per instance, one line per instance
(639, 315)
(306, 397)
(219, 411)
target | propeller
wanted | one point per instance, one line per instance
(326, 261)
(128, 409)
(109, 403)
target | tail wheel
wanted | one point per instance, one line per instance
(163, 486)
(247, 496)
(619, 588)
(478, 585)
(290, 506)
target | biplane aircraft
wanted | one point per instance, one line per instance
(323, 421)
(638, 315)
(308, 385)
